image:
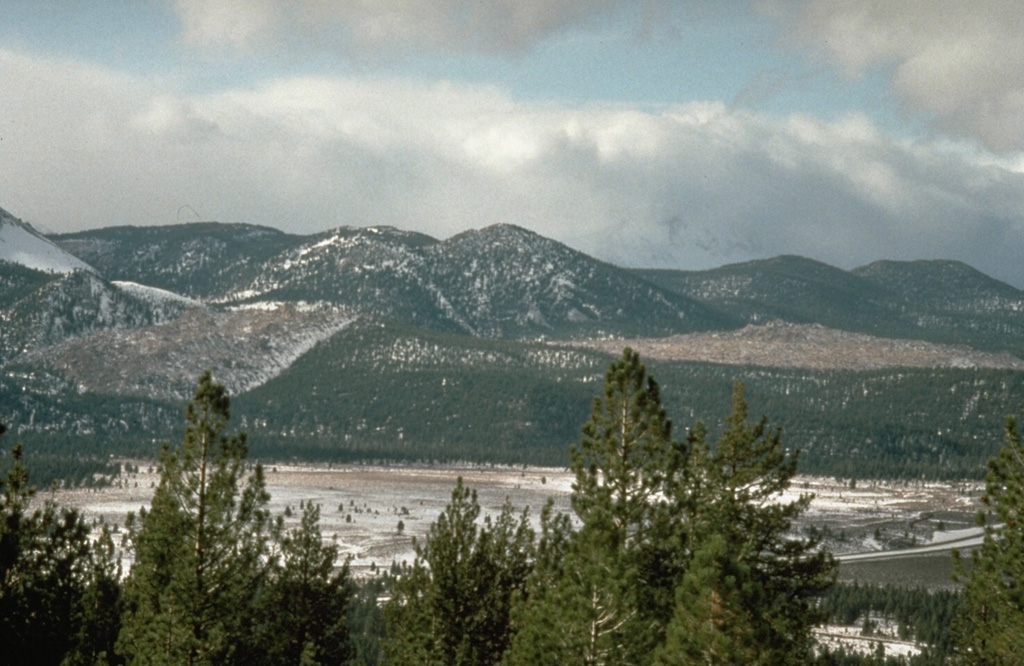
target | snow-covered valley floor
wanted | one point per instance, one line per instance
(361, 506)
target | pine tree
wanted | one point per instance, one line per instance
(989, 626)
(589, 616)
(683, 554)
(613, 593)
(101, 607)
(45, 566)
(539, 635)
(748, 595)
(301, 612)
(452, 606)
(623, 458)
(200, 552)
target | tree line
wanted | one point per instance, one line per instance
(922, 615)
(678, 550)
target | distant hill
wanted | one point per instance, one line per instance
(787, 288)
(381, 343)
(247, 347)
(952, 300)
(199, 260)
(502, 281)
(939, 301)
(381, 391)
(44, 309)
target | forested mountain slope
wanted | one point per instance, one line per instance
(200, 260)
(44, 309)
(378, 390)
(951, 299)
(501, 281)
(382, 343)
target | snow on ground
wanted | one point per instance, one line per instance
(362, 505)
(836, 636)
(20, 244)
(952, 536)
(154, 294)
(942, 547)
(244, 348)
(892, 515)
(271, 306)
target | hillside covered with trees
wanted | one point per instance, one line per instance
(381, 344)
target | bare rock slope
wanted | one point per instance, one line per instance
(809, 346)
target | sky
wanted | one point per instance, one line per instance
(647, 133)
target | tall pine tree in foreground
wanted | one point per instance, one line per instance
(607, 600)
(684, 552)
(749, 594)
(201, 551)
(989, 626)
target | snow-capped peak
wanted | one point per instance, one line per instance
(21, 244)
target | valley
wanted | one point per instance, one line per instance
(881, 532)
(375, 366)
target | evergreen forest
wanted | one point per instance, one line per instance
(396, 393)
(678, 549)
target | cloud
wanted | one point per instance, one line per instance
(498, 26)
(690, 186)
(959, 62)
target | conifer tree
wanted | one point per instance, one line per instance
(301, 612)
(101, 607)
(748, 595)
(452, 606)
(539, 636)
(614, 594)
(587, 616)
(200, 552)
(623, 457)
(44, 572)
(683, 554)
(989, 626)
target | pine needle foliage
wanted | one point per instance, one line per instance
(989, 626)
(49, 578)
(684, 551)
(201, 551)
(452, 605)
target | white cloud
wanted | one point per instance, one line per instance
(495, 26)
(236, 23)
(962, 62)
(691, 186)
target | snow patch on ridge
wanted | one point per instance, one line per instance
(155, 295)
(21, 244)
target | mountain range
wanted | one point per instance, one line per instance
(487, 345)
